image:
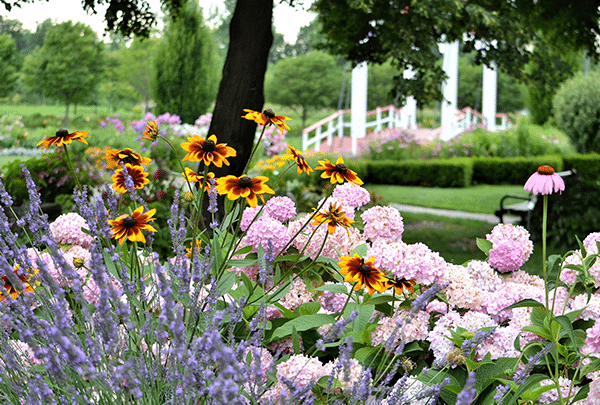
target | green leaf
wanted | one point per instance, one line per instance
(309, 308)
(295, 340)
(567, 326)
(302, 323)
(488, 373)
(364, 354)
(226, 283)
(594, 365)
(484, 245)
(336, 288)
(529, 382)
(538, 330)
(361, 250)
(528, 302)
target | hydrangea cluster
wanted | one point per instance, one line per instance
(412, 262)
(463, 290)
(382, 223)
(281, 208)
(353, 195)
(511, 247)
(263, 229)
(551, 396)
(67, 230)
(332, 301)
(392, 331)
(302, 371)
(349, 374)
(593, 338)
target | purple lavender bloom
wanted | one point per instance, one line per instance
(422, 300)
(468, 393)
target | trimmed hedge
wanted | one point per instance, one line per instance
(495, 170)
(439, 172)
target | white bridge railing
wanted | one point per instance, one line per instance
(335, 125)
(466, 119)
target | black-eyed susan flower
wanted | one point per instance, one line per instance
(151, 131)
(131, 226)
(194, 177)
(26, 284)
(137, 174)
(207, 150)
(267, 117)
(244, 186)
(300, 161)
(363, 273)
(400, 285)
(338, 173)
(333, 217)
(115, 156)
(63, 137)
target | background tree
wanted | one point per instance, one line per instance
(306, 82)
(69, 66)
(9, 65)
(186, 61)
(137, 67)
(380, 85)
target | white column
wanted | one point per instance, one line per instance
(450, 87)
(490, 88)
(410, 108)
(359, 104)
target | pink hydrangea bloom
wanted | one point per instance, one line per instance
(416, 329)
(296, 296)
(382, 222)
(281, 208)
(341, 243)
(551, 396)
(412, 262)
(353, 195)
(347, 378)
(248, 216)
(67, 229)
(484, 275)
(593, 337)
(263, 230)
(591, 308)
(463, 291)
(544, 181)
(301, 369)
(503, 233)
(506, 256)
(332, 301)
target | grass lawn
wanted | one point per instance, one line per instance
(455, 239)
(57, 110)
(481, 198)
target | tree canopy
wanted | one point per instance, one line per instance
(9, 65)
(504, 33)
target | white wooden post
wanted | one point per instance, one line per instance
(378, 119)
(490, 80)
(359, 104)
(318, 136)
(410, 108)
(449, 88)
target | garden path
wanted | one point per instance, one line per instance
(343, 145)
(492, 219)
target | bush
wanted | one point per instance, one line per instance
(496, 170)
(577, 111)
(438, 173)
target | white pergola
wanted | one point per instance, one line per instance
(449, 90)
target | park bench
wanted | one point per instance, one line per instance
(524, 208)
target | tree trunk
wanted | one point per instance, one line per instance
(243, 80)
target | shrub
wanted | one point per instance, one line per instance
(439, 172)
(577, 111)
(496, 170)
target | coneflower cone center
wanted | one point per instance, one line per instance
(269, 113)
(545, 170)
(62, 132)
(128, 221)
(364, 269)
(341, 168)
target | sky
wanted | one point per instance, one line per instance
(287, 20)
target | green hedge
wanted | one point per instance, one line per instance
(495, 170)
(439, 172)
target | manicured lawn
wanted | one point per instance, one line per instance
(57, 110)
(481, 198)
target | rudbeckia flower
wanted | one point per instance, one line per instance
(137, 174)
(131, 226)
(207, 150)
(300, 161)
(26, 286)
(400, 285)
(544, 181)
(114, 156)
(332, 217)
(63, 137)
(194, 177)
(151, 131)
(267, 117)
(338, 173)
(244, 186)
(362, 272)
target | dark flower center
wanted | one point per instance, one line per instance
(62, 132)
(546, 170)
(128, 221)
(129, 159)
(341, 168)
(245, 182)
(269, 113)
(364, 269)
(208, 145)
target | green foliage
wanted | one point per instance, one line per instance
(9, 65)
(380, 85)
(439, 172)
(137, 67)
(515, 170)
(307, 82)
(577, 111)
(186, 71)
(68, 67)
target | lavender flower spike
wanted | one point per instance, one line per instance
(422, 300)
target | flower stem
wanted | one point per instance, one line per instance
(544, 260)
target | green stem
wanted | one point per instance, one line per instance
(71, 168)
(544, 259)
(254, 150)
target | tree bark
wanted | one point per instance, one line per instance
(243, 79)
